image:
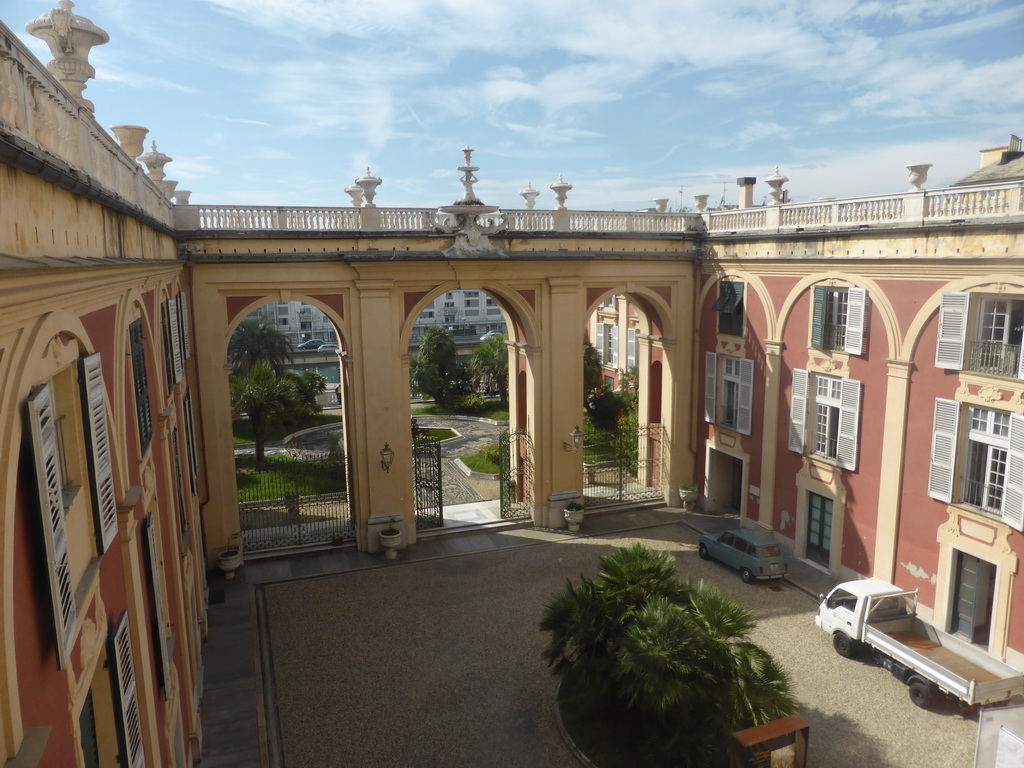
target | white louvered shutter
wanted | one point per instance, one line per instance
(1013, 495)
(155, 579)
(856, 308)
(945, 427)
(127, 692)
(42, 417)
(600, 341)
(744, 411)
(183, 320)
(172, 313)
(798, 411)
(949, 348)
(97, 443)
(849, 423)
(631, 347)
(710, 386)
(614, 344)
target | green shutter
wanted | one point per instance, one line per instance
(818, 317)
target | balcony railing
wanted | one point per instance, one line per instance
(994, 358)
(986, 496)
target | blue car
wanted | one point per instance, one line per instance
(755, 554)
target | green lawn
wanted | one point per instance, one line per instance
(283, 476)
(242, 429)
(493, 411)
(477, 462)
(439, 434)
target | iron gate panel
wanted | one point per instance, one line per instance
(427, 482)
(626, 465)
(515, 450)
(303, 500)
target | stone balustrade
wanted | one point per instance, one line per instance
(908, 209)
(38, 110)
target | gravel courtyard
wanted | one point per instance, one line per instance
(437, 663)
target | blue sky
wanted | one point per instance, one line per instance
(286, 102)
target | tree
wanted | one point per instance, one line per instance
(488, 366)
(261, 394)
(308, 386)
(255, 340)
(672, 657)
(435, 370)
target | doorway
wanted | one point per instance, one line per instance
(972, 598)
(819, 529)
(725, 481)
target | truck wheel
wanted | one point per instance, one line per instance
(747, 575)
(702, 550)
(843, 645)
(921, 692)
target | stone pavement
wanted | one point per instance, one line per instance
(234, 707)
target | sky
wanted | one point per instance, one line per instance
(287, 102)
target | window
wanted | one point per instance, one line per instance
(608, 344)
(729, 307)
(737, 392)
(836, 417)
(631, 348)
(994, 348)
(991, 456)
(154, 564)
(827, 401)
(837, 319)
(472, 302)
(130, 731)
(140, 385)
(449, 305)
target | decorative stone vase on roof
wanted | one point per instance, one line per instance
(561, 189)
(530, 196)
(369, 186)
(70, 38)
(775, 181)
(131, 138)
(356, 193)
(918, 175)
(155, 161)
(701, 201)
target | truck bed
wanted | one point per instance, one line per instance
(958, 667)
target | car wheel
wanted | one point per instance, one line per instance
(843, 644)
(747, 575)
(921, 692)
(702, 550)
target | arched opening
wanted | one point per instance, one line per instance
(468, 407)
(288, 385)
(624, 441)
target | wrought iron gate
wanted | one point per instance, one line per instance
(293, 501)
(515, 450)
(625, 465)
(426, 478)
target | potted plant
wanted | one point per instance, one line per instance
(229, 559)
(573, 515)
(390, 541)
(688, 495)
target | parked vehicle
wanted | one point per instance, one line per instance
(756, 555)
(329, 347)
(873, 614)
(489, 334)
(311, 344)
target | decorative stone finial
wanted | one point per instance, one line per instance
(701, 201)
(775, 181)
(369, 186)
(918, 175)
(468, 180)
(660, 204)
(181, 196)
(530, 196)
(70, 38)
(155, 161)
(561, 189)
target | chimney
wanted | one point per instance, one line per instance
(746, 185)
(1001, 155)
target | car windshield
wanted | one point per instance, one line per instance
(772, 550)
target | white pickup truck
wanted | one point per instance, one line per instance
(877, 615)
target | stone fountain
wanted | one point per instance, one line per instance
(462, 218)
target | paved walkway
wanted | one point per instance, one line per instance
(234, 708)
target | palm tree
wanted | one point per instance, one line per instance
(255, 340)
(488, 365)
(670, 655)
(261, 394)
